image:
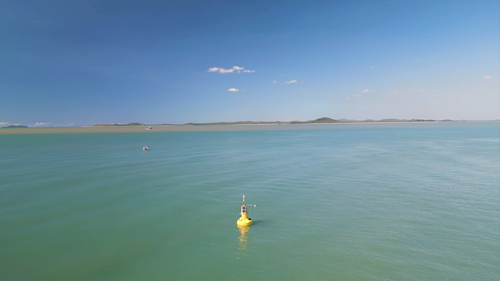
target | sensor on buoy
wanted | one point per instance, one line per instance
(244, 220)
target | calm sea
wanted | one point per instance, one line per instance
(334, 202)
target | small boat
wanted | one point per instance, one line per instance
(149, 128)
(145, 147)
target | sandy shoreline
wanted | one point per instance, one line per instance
(204, 128)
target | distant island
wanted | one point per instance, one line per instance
(16, 126)
(322, 120)
(129, 124)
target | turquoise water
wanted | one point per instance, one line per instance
(334, 202)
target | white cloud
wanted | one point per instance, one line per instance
(348, 98)
(233, 90)
(4, 123)
(487, 77)
(397, 93)
(466, 97)
(229, 70)
(389, 95)
(291, 81)
(274, 81)
(42, 124)
(238, 68)
(365, 91)
(371, 67)
(358, 95)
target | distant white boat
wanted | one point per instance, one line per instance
(149, 128)
(145, 147)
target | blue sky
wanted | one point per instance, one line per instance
(87, 62)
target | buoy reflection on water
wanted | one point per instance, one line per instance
(244, 236)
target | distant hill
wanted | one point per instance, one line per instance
(16, 126)
(393, 120)
(325, 120)
(129, 124)
(322, 120)
(422, 120)
(237, 123)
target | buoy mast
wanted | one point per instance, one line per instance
(244, 220)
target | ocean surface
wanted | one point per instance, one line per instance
(334, 202)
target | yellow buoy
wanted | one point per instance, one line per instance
(244, 220)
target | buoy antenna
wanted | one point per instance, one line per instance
(244, 220)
